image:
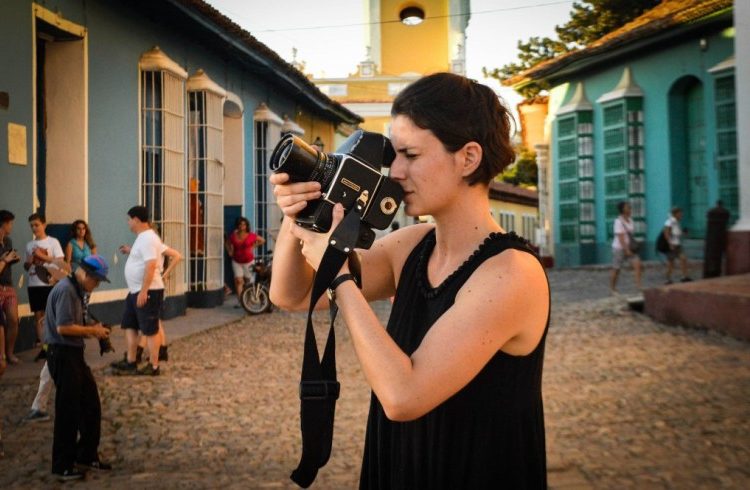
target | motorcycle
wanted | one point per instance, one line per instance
(255, 297)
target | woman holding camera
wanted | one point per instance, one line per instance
(456, 374)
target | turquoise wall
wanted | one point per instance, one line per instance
(655, 72)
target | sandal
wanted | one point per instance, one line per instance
(13, 360)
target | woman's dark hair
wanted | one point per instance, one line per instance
(88, 238)
(458, 110)
(621, 206)
(241, 219)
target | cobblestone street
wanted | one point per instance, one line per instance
(629, 403)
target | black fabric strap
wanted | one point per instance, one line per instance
(319, 387)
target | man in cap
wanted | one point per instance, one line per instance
(77, 407)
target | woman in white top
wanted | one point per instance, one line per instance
(621, 250)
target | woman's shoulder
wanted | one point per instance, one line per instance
(406, 238)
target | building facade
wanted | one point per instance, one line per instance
(165, 103)
(646, 114)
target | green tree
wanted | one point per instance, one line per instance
(589, 20)
(522, 172)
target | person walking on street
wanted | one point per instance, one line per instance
(673, 233)
(77, 405)
(146, 294)
(623, 247)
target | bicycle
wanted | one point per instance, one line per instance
(255, 297)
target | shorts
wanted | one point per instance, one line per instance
(38, 297)
(8, 298)
(242, 270)
(674, 253)
(619, 258)
(145, 319)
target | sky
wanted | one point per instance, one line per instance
(330, 39)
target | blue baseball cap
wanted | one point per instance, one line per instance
(96, 266)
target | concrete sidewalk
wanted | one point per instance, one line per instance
(195, 320)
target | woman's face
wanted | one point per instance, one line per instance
(428, 173)
(80, 230)
(626, 210)
(242, 227)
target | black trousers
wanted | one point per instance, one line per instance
(77, 408)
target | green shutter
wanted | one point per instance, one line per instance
(726, 142)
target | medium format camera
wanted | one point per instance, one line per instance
(351, 174)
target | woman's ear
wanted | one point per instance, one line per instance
(471, 155)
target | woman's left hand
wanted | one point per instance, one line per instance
(313, 243)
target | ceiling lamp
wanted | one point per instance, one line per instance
(412, 16)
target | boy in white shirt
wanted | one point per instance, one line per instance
(44, 255)
(146, 294)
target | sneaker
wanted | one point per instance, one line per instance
(148, 370)
(685, 279)
(36, 416)
(124, 367)
(96, 465)
(68, 475)
(668, 282)
(163, 354)
(42, 355)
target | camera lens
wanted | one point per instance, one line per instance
(302, 162)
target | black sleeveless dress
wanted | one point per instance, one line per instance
(489, 435)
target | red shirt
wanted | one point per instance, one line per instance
(243, 250)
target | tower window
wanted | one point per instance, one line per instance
(412, 16)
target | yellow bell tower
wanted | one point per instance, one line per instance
(404, 40)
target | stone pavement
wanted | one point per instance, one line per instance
(629, 403)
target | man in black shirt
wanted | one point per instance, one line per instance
(77, 406)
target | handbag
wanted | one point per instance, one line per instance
(662, 245)
(634, 245)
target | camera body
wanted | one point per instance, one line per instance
(350, 175)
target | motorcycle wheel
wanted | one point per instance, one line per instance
(255, 299)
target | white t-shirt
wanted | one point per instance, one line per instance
(675, 230)
(147, 246)
(52, 248)
(622, 227)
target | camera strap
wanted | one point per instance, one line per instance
(319, 387)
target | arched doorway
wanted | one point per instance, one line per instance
(688, 154)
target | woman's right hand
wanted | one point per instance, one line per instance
(292, 197)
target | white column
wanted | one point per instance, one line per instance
(542, 163)
(742, 81)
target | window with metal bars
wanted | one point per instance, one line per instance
(163, 161)
(575, 145)
(623, 162)
(726, 142)
(267, 219)
(206, 195)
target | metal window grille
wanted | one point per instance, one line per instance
(623, 160)
(576, 163)
(206, 189)
(163, 161)
(726, 143)
(267, 220)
